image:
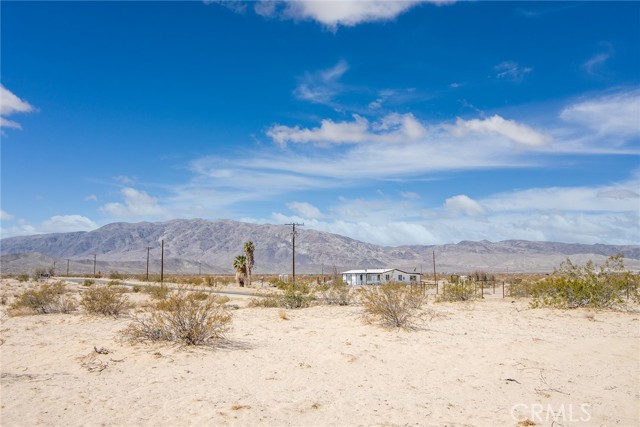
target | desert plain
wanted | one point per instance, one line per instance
(490, 362)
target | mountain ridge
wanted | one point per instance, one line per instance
(195, 245)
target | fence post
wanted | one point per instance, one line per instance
(503, 289)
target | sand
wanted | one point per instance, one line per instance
(486, 363)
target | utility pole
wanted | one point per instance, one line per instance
(54, 268)
(148, 248)
(199, 268)
(162, 262)
(435, 278)
(293, 253)
(94, 265)
(67, 267)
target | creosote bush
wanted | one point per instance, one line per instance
(46, 299)
(335, 293)
(158, 292)
(593, 286)
(392, 304)
(298, 295)
(105, 300)
(459, 291)
(182, 317)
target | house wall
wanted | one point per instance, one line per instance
(362, 278)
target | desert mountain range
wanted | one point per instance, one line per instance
(197, 245)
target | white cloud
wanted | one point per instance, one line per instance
(11, 104)
(306, 210)
(516, 132)
(463, 204)
(333, 14)
(136, 204)
(55, 224)
(91, 198)
(511, 70)
(4, 216)
(391, 128)
(616, 114)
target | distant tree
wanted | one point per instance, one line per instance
(240, 265)
(249, 248)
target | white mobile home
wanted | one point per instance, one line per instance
(378, 276)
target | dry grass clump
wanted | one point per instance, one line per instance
(105, 300)
(184, 318)
(392, 304)
(46, 299)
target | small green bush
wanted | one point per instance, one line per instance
(105, 300)
(460, 291)
(88, 282)
(136, 289)
(23, 278)
(47, 299)
(297, 296)
(182, 317)
(392, 304)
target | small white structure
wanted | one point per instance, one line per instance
(378, 276)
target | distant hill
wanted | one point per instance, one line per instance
(197, 245)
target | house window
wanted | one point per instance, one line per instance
(378, 277)
(400, 277)
(387, 277)
(412, 278)
(361, 278)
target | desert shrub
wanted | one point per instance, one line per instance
(114, 283)
(88, 282)
(518, 289)
(3, 299)
(593, 286)
(105, 300)
(136, 289)
(392, 304)
(335, 293)
(182, 318)
(458, 291)
(39, 273)
(200, 296)
(297, 296)
(268, 301)
(221, 299)
(46, 299)
(114, 275)
(23, 277)
(157, 292)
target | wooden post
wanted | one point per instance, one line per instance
(503, 289)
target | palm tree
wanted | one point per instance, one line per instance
(240, 265)
(248, 253)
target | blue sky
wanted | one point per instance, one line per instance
(393, 123)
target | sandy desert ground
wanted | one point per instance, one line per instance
(486, 363)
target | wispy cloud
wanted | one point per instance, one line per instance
(333, 14)
(512, 71)
(321, 87)
(496, 125)
(616, 114)
(11, 104)
(4, 216)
